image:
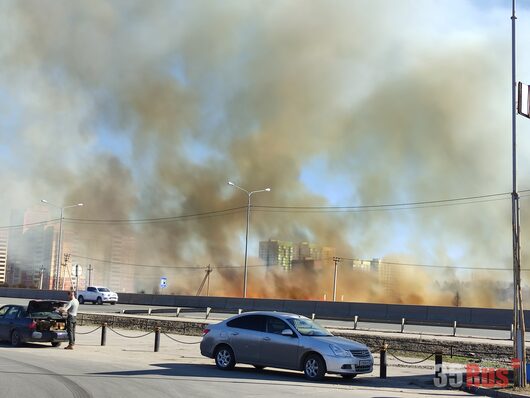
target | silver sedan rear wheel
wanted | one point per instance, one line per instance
(224, 358)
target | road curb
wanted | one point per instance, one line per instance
(488, 392)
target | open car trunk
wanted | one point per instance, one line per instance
(45, 315)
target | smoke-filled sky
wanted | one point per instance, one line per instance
(145, 110)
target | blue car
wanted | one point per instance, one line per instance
(39, 322)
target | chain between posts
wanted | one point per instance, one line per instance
(411, 362)
(143, 335)
(92, 331)
(130, 337)
(178, 341)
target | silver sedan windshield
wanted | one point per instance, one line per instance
(307, 327)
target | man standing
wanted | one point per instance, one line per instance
(71, 310)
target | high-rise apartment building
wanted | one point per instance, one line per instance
(285, 254)
(3, 255)
(116, 271)
(276, 252)
(122, 256)
(106, 260)
(30, 249)
(387, 275)
(321, 256)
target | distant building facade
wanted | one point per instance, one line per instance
(387, 275)
(276, 252)
(287, 254)
(31, 245)
(112, 266)
(3, 255)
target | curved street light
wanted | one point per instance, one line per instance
(245, 268)
(59, 241)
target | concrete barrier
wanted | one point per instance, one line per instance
(267, 305)
(445, 316)
(365, 312)
(411, 313)
(332, 310)
(234, 304)
(497, 318)
(305, 308)
(369, 312)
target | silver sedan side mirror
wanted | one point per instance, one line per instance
(287, 332)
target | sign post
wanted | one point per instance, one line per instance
(163, 282)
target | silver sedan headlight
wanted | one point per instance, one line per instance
(340, 352)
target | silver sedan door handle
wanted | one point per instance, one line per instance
(234, 333)
(267, 338)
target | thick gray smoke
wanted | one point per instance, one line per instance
(146, 109)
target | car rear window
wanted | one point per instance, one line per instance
(250, 322)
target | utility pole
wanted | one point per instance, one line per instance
(206, 278)
(76, 279)
(208, 272)
(90, 274)
(518, 313)
(336, 260)
(66, 258)
(41, 279)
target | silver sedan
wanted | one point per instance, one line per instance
(282, 340)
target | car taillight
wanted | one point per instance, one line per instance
(33, 325)
(205, 332)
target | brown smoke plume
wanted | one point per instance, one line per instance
(144, 110)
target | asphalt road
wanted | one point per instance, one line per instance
(128, 367)
(427, 330)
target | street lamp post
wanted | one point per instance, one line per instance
(245, 268)
(59, 241)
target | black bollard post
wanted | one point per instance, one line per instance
(157, 338)
(104, 334)
(437, 363)
(438, 358)
(382, 360)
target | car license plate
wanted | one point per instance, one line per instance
(365, 363)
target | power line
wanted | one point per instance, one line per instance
(366, 209)
(33, 224)
(141, 265)
(432, 265)
(322, 209)
(316, 209)
(202, 267)
(454, 201)
(214, 213)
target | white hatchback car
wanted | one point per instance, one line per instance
(286, 341)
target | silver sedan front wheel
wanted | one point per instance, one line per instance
(314, 367)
